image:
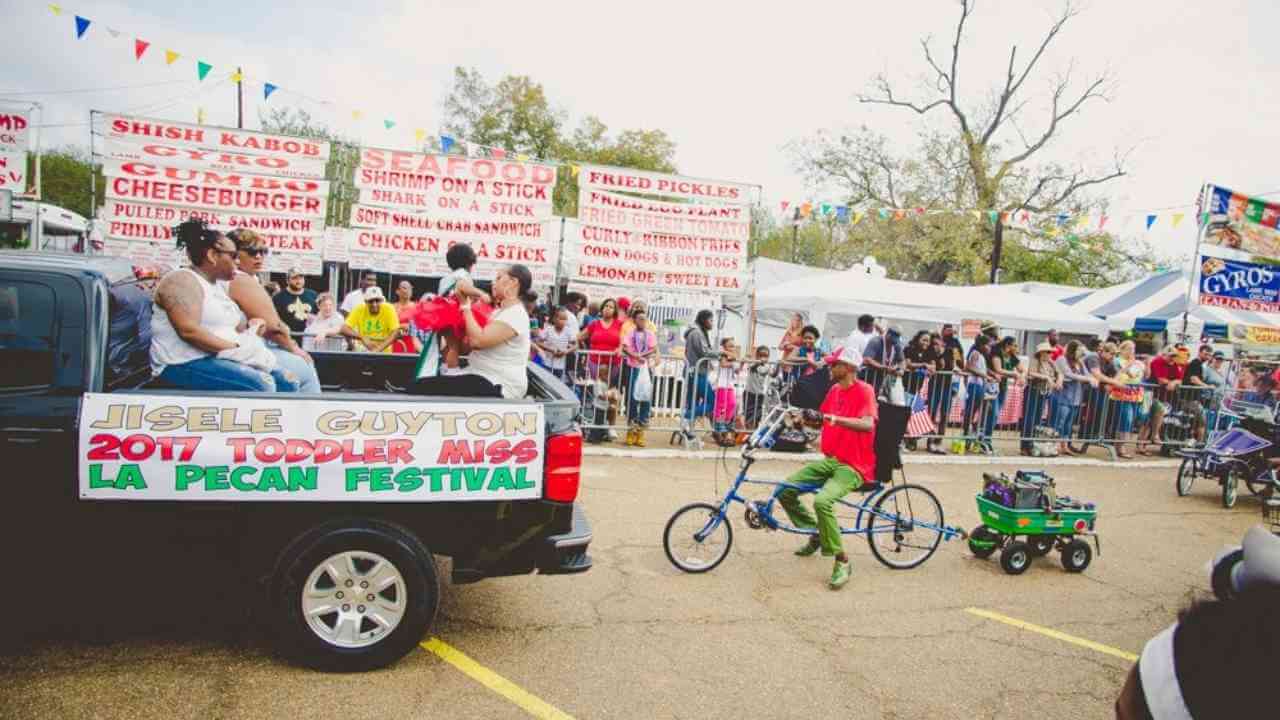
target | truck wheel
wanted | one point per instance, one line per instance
(354, 595)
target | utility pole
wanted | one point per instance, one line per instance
(239, 99)
(795, 231)
(996, 247)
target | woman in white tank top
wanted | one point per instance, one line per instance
(195, 326)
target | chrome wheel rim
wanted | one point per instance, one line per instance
(354, 599)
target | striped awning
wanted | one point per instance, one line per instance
(1160, 297)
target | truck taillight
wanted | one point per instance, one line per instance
(563, 467)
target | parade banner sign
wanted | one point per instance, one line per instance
(1239, 285)
(413, 207)
(205, 137)
(155, 447)
(15, 141)
(592, 177)
(160, 153)
(1241, 223)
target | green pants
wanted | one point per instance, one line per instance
(836, 480)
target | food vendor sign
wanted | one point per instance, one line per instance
(156, 447)
(1243, 224)
(1238, 285)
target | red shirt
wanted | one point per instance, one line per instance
(851, 447)
(605, 338)
(1057, 352)
(1162, 369)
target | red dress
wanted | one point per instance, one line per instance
(444, 315)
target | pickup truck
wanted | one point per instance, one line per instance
(330, 507)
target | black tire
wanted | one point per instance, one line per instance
(1186, 476)
(708, 511)
(1220, 577)
(407, 557)
(1015, 558)
(1040, 545)
(912, 507)
(983, 542)
(1257, 483)
(1076, 556)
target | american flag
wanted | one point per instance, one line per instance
(920, 423)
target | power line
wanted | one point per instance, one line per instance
(95, 90)
(151, 106)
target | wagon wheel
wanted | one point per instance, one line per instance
(1076, 556)
(1015, 558)
(1040, 545)
(1186, 476)
(984, 541)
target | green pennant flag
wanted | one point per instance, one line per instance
(993, 215)
(203, 68)
(388, 124)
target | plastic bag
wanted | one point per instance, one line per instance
(642, 390)
(893, 392)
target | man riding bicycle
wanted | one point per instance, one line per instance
(849, 415)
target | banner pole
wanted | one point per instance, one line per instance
(1202, 223)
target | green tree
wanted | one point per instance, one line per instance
(67, 177)
(979, 158)
(516, 115)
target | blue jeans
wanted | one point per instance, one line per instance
(975, 408)
(211, 373)
(1033, 402)
(637, 411)
(698, 395)
(1065, 419)
(292, 373)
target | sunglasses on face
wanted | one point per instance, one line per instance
(257, 252)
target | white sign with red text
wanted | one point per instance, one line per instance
(152, 190)
(161, 153)
(611, 210)
(212, 178)
(205, 137)
(13, 171)
(642, 182)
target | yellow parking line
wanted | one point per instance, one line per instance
(1024, 625)
(531, 704)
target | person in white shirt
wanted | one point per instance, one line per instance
(499, 351)
(355, 298)
(324, 329)
(556, 342)
(859, 338)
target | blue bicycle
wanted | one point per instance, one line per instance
(903, 523)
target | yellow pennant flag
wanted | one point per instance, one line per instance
(199, 116)
(237, 76)
(857, 216)
(1177, 218)
(170, 57)
(977, 214)
(1082, 221)
(57, 9)
(522, 157)
(574, 170)
(419, 134)
(355, 114)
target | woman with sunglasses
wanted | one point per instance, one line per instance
(245, 289)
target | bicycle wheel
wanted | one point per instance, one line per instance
(905, 527)
(697, 539)
(1186, 476)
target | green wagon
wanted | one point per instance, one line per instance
(1040, 531)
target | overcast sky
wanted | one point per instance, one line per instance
(732, 83)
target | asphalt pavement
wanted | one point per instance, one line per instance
(760, 636)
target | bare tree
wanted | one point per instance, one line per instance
(1009, 182)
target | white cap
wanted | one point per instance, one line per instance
(373, 293)
(849, 355)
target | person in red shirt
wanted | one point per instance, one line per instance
(1167, 374)
(849, 416)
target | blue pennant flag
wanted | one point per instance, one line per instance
(446, 142)
(82, 26)
(267, 89)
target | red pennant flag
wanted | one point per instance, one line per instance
(139, 46)
(499, 153)
(785, 203)
(1102, 222)
(919, 211)
(1026, 216)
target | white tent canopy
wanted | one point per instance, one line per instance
(849, 293)
(1157, 301)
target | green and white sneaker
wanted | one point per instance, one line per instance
(809, 548)
(840, 575)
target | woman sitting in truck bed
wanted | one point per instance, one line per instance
(199, 337)
(499, 358)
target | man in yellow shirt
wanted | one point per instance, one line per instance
(373, 323)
